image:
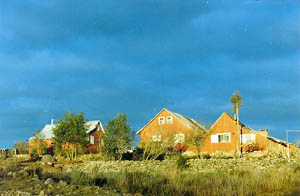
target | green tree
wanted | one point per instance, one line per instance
(197, 138)
(153, 149)
(117, 138)
(22, 147)
(39, 147)
(236, 100)
(70, 134)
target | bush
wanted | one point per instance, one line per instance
(127, 156)
(138, 154)
(253, 147)
(182, 162)
(11, 167)
(22, 147)
(205, 156)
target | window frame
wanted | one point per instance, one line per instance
(156, 138)
(222, 136)
(161, 120)
(245, 140)
(179, 138)
(169, 119)
(92, 139)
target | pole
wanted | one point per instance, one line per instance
(237, 128)
(287, 144)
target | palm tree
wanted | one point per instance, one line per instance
(236, 100)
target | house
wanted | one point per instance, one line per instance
(167, 123)
(94, 131)
(225, 136)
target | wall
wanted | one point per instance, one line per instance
(94, 148)
(32, 145)
(223, 125)
(165, 130)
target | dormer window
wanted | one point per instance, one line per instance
(169, 120)
(161, 120)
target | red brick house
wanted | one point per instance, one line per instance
(95, 131)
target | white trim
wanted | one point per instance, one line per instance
(149, 121)
(161, 120)
(248, 138)
(215, 138)
(217, 120)
(169, 120)
(179, 138)
(156, 138)
(172, 114)
(92, 139)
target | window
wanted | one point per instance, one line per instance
(224, 137)
(161, 120)
(179, 138)
(92, 139)
(169, 120)
(247, 138)
(156, 138)
(220, 138)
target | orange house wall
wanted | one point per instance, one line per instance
(224, 125)
(32, 145)
(165, 130)
(227, 125)
(91, 148)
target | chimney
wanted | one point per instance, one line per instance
(263, 132)
(52, 120)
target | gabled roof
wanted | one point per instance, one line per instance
(226, 114)
(191, 123)
(48, 129)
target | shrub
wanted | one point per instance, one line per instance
(22, 147)
(253, 147)
(80, 178)
(205, 156)
(11, 167)
(182, 162)
(138, 154)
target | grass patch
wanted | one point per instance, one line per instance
(186, 182)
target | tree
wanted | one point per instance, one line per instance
(153, 149)
(197, 138)
(38, 142)
(21, 147)
(70, 134)
(117, 138)
(236, 100)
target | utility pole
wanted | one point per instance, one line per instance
(287, 141)
(237, 129)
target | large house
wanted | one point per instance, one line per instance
(95, 130)
(167, 123)
(223, 136)
(226, 136)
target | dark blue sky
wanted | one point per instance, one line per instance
(136, 57)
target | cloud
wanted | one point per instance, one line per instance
(137, 57)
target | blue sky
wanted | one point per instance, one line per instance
(136, 57)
